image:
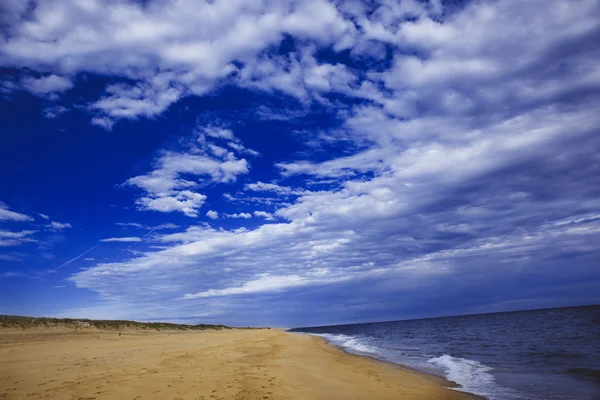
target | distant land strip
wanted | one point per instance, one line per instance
(20, 322)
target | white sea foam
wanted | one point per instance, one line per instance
(473, 377)
(350, 343)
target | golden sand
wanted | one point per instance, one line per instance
(229, 364)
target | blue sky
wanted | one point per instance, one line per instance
(298, 162)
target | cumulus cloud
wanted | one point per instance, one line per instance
(239, 215)
(122, 239)
(264, 214)
(185, 201)
(168, 186)
(159, 46)
(212, 214)
(47, 84)
(8, 215)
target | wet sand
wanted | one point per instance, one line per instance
(229, 364)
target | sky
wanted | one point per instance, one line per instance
(294, 163)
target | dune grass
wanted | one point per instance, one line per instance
(18, 322)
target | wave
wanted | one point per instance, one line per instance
(472, 377)
(350, 343)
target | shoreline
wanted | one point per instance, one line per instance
(439, 379)
(228, 364)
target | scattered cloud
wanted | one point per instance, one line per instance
(9, 239)
(122, 239)
(168, 187)
(170, 60)
(185, 201)
(264, 283)
(167, 225)
(239, 215)
(7, 215)
(264, 214)
(103, 122)
(47, 84)
(58, 226)
(130, 225)
(44, 216)
(212, 214)
(272, 187)
(435, 140)
(54, 112)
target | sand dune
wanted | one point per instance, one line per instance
(228, 364)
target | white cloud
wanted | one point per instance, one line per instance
(264, 214)
(271, 187)
(127, 101)
(47, 84)
(167, 225)
(239, 215)
(15, 235)
(129, 224)
(122, 239)
(103, 122)
(58, 226)
(166, 188)
(432, 175)
(44, 216)
(264, 283)
(219, 133)
(212, 214)
(226, 137)
(243, 150)
(158, 44)
(7, 215)
(9, 239)
(185, 201)
(170, 166)
(54, 112)
(89, 259)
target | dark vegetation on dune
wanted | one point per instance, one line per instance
(10, 321)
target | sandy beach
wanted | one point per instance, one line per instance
(228, 364)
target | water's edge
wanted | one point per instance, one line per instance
(434, 377)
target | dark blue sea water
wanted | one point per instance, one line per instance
(547, 354)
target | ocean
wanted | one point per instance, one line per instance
(550, 354)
